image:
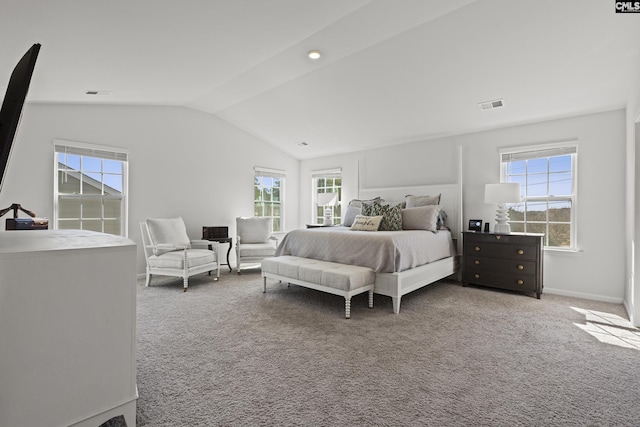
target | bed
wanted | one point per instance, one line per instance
(402, 260)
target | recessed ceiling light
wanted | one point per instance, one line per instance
(488, 105)
(314, 54)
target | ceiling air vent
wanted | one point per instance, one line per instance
(489, 105)
(98, 92)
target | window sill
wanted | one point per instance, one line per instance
(563, 252)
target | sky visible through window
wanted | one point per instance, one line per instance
(108, 172)
(543, 177)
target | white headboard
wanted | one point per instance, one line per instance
(450, 201)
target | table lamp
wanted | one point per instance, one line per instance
(501, 194)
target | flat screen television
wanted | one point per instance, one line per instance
(12, 105)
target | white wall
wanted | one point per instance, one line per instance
(182, 162)
(632, 259)
(598, 271)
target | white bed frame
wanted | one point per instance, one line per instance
(396, 285)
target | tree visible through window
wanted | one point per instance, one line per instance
(268, 191)
(547, 177)
(90, 188)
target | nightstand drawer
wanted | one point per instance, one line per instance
(507, 266)
(523, 282)
(500, 250)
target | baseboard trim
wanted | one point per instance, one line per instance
(583, 295)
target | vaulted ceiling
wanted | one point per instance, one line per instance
(391, 71)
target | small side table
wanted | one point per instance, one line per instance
(228, 240)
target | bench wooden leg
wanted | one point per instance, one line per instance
(264, 286)
(347, 307)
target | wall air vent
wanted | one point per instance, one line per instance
(489, 105)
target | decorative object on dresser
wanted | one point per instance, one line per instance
(501, 194)
(328, 200)
(475, 225)
(220, 235)
(16, 223)
(507, 261)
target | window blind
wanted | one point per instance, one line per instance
(536, 153)
(273, 173)
(327, 173)
(100, 152)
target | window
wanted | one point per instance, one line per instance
(90, 188)
(268, 196)
(547, 175)
(326, 181)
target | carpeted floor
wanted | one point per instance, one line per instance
(225, 354)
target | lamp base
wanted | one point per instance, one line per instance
(328, 217)
(502, 220)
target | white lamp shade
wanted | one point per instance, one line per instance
(327, 199)
(502, 193)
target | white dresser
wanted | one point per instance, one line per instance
(67, 328)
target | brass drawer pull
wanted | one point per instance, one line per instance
(520, 252)
(498, 237)
(520, 267)
(477, 248)
(520, 282)
(477, 276)
(476, 262)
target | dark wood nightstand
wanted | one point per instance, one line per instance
(506, 261)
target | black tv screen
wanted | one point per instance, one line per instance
(12, 105)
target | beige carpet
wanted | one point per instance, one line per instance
(225, 354)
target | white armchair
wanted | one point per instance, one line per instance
(169, 252)
(254, 241)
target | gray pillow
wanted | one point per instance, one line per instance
(358, 203)
(350, 215)
(421, 218)
(415, 201)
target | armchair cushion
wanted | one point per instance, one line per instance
(257, 249)
(175, 259)
(253, 230)
(167, 232)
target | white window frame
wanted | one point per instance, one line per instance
(271, 173)
(542, 151)
(337, 209)
(95, 151)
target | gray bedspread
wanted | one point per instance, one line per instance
(382, 251)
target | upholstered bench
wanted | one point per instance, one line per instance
(334, 278)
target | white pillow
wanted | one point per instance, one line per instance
(366, 223)
(254, 229)
(168, 233)
(421, 218)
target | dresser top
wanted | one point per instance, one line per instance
(19, 241)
